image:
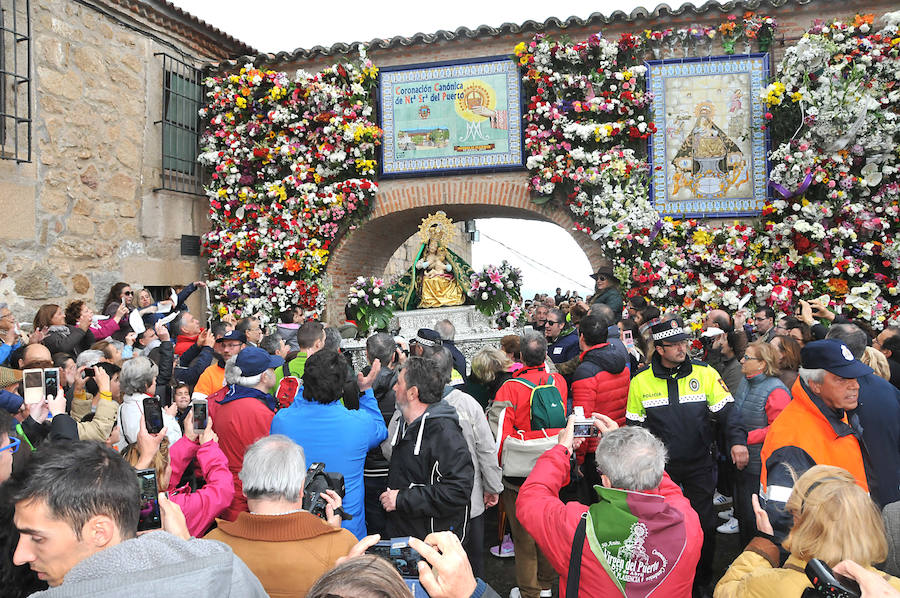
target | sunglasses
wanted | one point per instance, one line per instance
(602, 278)
(13, 445)
(128, 293)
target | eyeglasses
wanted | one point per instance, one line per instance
(13, 445)
(553, 322)
(9, 316)
(128, 293)
(748, 358)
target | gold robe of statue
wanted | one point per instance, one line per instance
(439, 286)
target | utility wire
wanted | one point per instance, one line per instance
(533, 261)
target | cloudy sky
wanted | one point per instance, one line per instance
(547, 255)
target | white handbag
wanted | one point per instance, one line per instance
(519, 455)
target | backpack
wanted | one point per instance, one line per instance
(547, 408)
(287, 388)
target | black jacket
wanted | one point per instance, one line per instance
(432, 468)
(383, 389)
(72, 344)
(879, 416)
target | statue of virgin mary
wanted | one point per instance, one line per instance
(437, 277)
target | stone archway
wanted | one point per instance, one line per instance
(401, 204)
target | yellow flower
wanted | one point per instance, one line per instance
(519, 49)
(240, 102)
(796, 96)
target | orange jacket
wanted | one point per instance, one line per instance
(803, 425)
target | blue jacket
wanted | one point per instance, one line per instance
(879, 416)
(564, 348)
(339, 438)
(6, 351)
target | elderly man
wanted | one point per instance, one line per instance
(641, 514)
(287, 548)
(447, 330)
(244, 414)
(317, 418)
(227, 345)
(816, 428)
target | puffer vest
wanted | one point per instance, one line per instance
(751, 403)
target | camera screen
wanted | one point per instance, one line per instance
(585, 430)
(149, 517)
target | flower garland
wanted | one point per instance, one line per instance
(834, 119)
(586, 129)
(293, 165)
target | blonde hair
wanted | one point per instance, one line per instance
(834, 519)
(132, 455)
(488, 362)
(876, 360)
(768, 356)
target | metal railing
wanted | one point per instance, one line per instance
(15, 80)
(182, 93)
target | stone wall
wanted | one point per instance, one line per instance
(85, 212)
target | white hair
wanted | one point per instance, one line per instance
(233, 375)
(632, 458)
(808, 375)
(274, 468)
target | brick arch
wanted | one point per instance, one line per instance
(400, 206)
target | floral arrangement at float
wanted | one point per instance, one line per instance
(372, 304)
(293, 166)
(497, 289)
(831, 225)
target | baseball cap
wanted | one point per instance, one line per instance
(669, 331)
(232, 335)
(834, 356)
(253, 361)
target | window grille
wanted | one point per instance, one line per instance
(15, 80)
(181, 127)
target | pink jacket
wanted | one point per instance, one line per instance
(552, 524)
(105, 328)
(203, 506)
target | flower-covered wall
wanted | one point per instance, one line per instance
(293, 166)
(833, 112)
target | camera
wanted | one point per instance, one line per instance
(828, 583)
(400, 554)
(318, 481)
(584, 428)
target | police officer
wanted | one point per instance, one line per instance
(676, 398)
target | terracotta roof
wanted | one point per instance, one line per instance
(553, 23)
(178, 20)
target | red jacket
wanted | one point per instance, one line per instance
(184, 342)
(600, 385)
(517, 415)
(552, 524)
(242, 416)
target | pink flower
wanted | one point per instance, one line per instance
(495, 277)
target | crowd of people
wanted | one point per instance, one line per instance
(608, 435)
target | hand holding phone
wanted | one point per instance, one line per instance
(830, 584)
(198, 414)
(149, 516)
(153, 416)
(33, 385)
(51, 383)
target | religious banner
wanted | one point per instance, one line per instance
(709, 156)
(446, 117)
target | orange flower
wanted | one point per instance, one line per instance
(838, 286)
(292, 265)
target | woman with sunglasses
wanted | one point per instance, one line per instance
(120, 294)
(759, 402)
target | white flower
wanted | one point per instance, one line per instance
(484, 296)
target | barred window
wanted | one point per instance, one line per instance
(15, 80)
(181, 127)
